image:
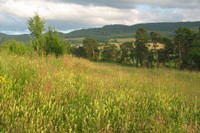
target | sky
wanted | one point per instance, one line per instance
(69, 15)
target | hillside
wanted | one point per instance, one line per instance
(115, 31)
(123, 31)
(68, 94)
(23, 37)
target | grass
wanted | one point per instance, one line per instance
(70, 94)
(75, 41)
(122, 40)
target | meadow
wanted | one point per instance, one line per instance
(69, 94)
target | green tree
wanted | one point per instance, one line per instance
(127, 52)
(78, 51)
(194, 55)
(110, 53)
(153, 54)
(141, 49)
(36, 27)
(155, 38)
(54, 44)
(90, 46)
(167, 55)
(183, 41)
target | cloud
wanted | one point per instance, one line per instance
(127, 4)
(76, 14)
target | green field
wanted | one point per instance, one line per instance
(68, 94)
(75, 41)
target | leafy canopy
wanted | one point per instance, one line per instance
(36, 26)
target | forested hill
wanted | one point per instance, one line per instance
(22, 38)
(111, 31)
(108, 31)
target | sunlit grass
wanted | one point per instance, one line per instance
(70, 94)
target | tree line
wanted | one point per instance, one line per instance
(180, 52)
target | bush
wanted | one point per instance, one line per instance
(54, 44)
(16, 47)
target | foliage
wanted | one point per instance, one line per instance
(127, 53)
(124, 31)
(36, 27)
(147, 50)
(141, 49)
(54, 44)
(78, 51)
(194, 55)
(183, 40)
(16, 47)
(90, 46)
(67, 94)
(110, 53)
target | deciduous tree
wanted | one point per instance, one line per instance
(90, 46)
(141, 49)
(36, 27)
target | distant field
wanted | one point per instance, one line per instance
(158, 45)
(70, 94)
(75, 41)
(116, 41)
(121, 40)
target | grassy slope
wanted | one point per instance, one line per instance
(74, 95)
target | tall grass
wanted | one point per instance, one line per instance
(68, 94)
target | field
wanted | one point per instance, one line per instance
(75, 41)
(69, 94)
(121, 40)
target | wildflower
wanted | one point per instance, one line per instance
(2, 79)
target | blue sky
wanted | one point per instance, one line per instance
(68, 15)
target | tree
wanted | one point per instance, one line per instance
(54, 44)
(155, 38)
(183, 41)
(168, 53)
(153, 54)
(36, 27)
(141, 49)
(194, 55)
(127, 52)
(90, 46)
(110, 53)
(78, 51)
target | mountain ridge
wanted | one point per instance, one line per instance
(111, 30)
(115, 31)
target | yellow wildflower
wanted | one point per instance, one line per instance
(2, 79)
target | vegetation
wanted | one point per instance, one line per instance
(63, 93)
(54, 44)
(49, 43)
(36, 27)
(68, 94)
(182, 52)
(15, 47)
(114, 31)
(90, 46)
(122, 31)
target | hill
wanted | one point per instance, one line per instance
(124, 31)
(22, 38)
(68, 94)
(115, 31)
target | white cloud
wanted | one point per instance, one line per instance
(75, 14)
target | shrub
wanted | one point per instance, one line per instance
(16, 47)
(54, 44)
